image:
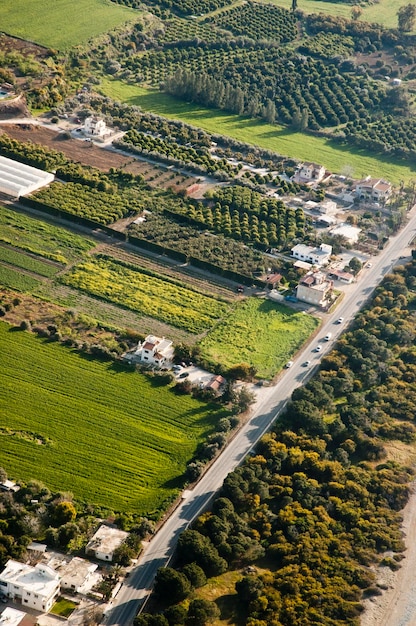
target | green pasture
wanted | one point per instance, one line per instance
(280, 139)
(152, 295)
(20, 259)
(110, 436)
(63, 607)
(61, 24)
(41, 238)
(259, 332)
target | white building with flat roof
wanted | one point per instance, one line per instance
(11, 617)
(105, 542)
(315, 256)
(77, 575)
(35, 587)
(18, 179)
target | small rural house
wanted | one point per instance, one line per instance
(77, 575)
(95, 126)
(375, 189)
(314, 288)
(316, 256)
(105, 542)
(309, 173)
(350, 233)
(216, 383)
(35, 587)
(343, 277)
(9, 485)
(154, 351)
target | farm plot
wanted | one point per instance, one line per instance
(258, 332)
(14, 279)
(147, 293)
(26, 262)
(61, 24)
(53, 403)
(41, 238)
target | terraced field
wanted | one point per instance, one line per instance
(92, 428)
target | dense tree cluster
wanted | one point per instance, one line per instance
(182, 7)
(367, 37)
(328, 45)
(387, 135)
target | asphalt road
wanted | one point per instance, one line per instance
(270, 402)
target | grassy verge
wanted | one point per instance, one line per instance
(273, 137)
(55, 402)
(258, 332)
(61, 24)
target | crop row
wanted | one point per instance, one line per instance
(93, 204)
(13, 279)
(13, 257)
(185, 30)
(258, 21)
(224, 253)
(184, 7)
(40, 238)
(149, 295)
(146, 434)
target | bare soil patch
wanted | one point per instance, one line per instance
(77, 150)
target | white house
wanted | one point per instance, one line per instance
(77, 575)
(35, 587)
(95, 126)
(9, 485)
(18, 179)
(375, 189)
(350, 233)
(105, 542)
(314, 288)
(316, 256)
(309, 173)
(154, 351)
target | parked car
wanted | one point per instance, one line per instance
(289, 364)
(240, 289)
(177, 368)
(183, 375)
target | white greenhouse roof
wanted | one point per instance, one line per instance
(18, 179)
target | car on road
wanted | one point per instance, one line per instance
(328, 337)
(369, 265)
(306, 364)
(289, 364)
(340, 320)
(318, 348)
(183, 375)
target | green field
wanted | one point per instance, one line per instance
(273, 137)
(259, 332)
(382, 12)
(152, 295)
(14, 279)
(40, 238)
(26, 262)
(107, 435)
(61, 24)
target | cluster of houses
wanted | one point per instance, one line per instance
(37, 587)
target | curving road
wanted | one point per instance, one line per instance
(270, 402)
